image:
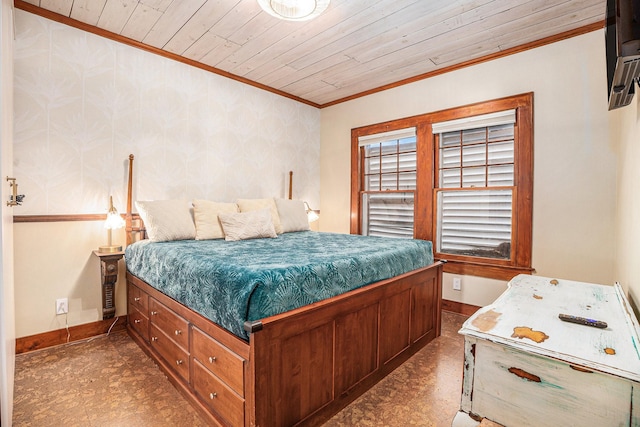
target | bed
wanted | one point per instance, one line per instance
(289, 338)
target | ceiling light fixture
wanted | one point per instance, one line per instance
(294, 10)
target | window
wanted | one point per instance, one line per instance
(389, 183)
(464, 180)
(474, 185)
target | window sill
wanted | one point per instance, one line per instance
(498, 272)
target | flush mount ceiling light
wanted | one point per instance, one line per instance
(294, 10)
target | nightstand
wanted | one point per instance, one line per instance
(109, 274)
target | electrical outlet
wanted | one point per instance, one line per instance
(457, 284)
(62, 306)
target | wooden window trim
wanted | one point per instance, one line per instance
(424, 219)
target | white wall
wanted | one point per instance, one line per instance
(7, 322)
(626, 129)
(574, 160)
(83, 104)
(55, 260)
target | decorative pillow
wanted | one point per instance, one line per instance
(247, 205)
(247, 225)
(293, 215)
(167, 220)
(206, 214)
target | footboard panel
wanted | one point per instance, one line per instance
(310, 363)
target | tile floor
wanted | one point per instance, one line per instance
(109, 381)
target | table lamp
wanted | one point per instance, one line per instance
(114, 221)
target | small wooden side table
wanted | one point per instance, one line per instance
(109, 273)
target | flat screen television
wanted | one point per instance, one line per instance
(622, 34)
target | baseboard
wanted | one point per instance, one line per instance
(88, 330)
(75, 333)
(459, 307)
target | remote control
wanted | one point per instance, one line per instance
(583, 321)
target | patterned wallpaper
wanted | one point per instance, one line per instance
(84, 103)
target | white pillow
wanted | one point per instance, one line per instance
(206, 214)
(293, 215)
(247, 225)
(167, 220)
(247, 205)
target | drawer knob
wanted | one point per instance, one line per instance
(213, 395)
(154, 339)
(178, 332)
(179, 362)
(153, 313)
(136, 299)
(212, 359)
(137, 320)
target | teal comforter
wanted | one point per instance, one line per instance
(232, 282)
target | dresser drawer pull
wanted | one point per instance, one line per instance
(179, 362)
(525, 375)
(137, 299)
(154, 339)
(212, 359)
(213, 395)
(153, 313)
(178, 332)
(137, 321)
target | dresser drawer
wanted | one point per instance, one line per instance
(225, 364)
(515, 388)
(217, 395)
(139, 322)
(169, 322)
(138, 298)
(175, 356)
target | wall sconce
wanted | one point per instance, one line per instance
(114, 221)
(15, 199)
(311, 214)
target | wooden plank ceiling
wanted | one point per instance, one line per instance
(354, 47)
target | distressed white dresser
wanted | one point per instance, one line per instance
(524, 366)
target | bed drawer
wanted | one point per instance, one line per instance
(169, 322)
(221, 361)
(217, 395)
(175, 356)
(138, 298)
(139, 322)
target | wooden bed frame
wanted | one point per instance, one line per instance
(299, 367)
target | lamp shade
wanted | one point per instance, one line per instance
(114, 221)
(294, 10)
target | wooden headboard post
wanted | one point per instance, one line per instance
(130, 184)
(290, 184)
(135, 228)
(128, 217)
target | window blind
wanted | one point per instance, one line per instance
(475, 223)
(473, 122)
(388, 215)
(387, 136)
